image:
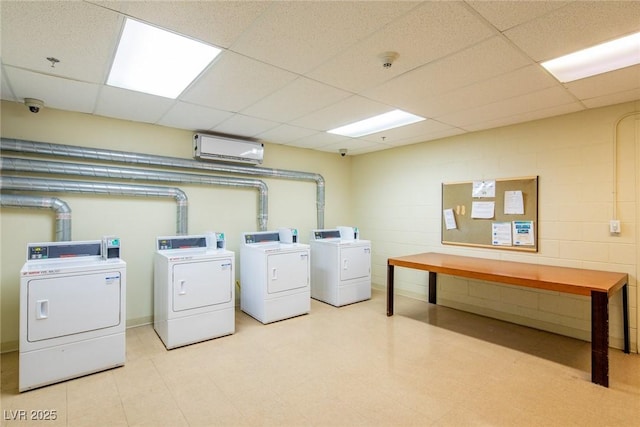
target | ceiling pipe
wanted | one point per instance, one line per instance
(12, 164)
(62, 209)
(61, 186)
(33, 147)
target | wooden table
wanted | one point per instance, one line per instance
(599, 285)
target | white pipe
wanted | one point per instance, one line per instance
(62, 186)
(49, 149)
(98, 171)
(62, 209)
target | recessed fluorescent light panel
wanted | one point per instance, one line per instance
(156, 61)
(390, 120)
(599, 59)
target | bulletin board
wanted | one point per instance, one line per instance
(493, 213)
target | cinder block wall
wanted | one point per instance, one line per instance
(397, 201)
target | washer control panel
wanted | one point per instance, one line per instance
(54, 250)
(326, 234)
(181, 242)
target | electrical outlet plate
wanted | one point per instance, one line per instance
(614, 226)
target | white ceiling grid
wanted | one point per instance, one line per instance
(291, 70)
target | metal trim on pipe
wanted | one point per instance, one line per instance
(98, 171)
(33, 147)
(63, 186)
(61, 208)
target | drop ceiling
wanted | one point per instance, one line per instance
(290, 71)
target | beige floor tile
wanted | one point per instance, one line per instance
(95, 400)
(98, 415)
(138, 378)
(346, 366)
(46, 404)
(157, 408)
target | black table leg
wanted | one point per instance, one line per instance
(389, 289)
(432, 288)
(625, 317)
(600, 338)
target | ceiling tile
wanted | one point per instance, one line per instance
(242, 125)
(527, 116)
(443, 133)
(540, 100)
(82, 36)
(507, 14)
(318, 140)
(234, 82)
(519, 82)
(485, 60)
(353, 146)
(283, 134)
(414, 130)
(293, 69)
(349, 110)
(287, 34)
(359, 67)
(54, 92)
(579, 25)
(297, 99)
(613, 82)
(613, 98)
(216, 22)
(5, 89)
(193, 117)
(128, 105)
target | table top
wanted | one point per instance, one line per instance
(570, 280)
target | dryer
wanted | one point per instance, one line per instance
(340, 266)
(274, 275)
(194, 293)
(72, 311)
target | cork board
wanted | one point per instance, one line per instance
(497, 214)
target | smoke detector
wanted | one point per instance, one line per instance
(388, 58)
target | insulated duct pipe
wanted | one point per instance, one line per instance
(97, 171)
(61, 186)
(49, 149)
(62, 209)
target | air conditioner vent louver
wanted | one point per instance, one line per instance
(221, 149)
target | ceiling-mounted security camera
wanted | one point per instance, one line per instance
(388, 58)
(343, 152)
(34, 105)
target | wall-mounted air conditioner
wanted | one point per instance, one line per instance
(221, 149)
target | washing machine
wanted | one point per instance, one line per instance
(194, 293)
(340, 266)
(72, 311)
(274, 275)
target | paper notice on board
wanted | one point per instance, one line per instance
(501, 234)
(484, 189)
(449, 219)
(523, 234)
(513, 203)
(483, 210)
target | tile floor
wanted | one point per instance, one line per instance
(348, 366)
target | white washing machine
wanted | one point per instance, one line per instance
(274, 275)
(72, 311)
(340, 266)
(194, 292)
